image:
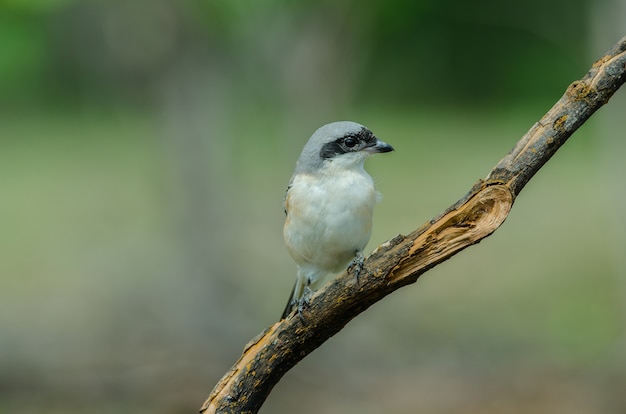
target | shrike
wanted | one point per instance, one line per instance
(329, 206)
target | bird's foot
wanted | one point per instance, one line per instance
(356, 265)
(304, 301)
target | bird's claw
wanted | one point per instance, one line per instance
(304, 301)
(356, 265)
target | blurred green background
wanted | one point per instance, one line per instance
(145, 147)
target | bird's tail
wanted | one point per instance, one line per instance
(290, 303)
(294, 298)
(306, 282)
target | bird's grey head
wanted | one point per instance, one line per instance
(342, 142)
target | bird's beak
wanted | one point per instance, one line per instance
(380, 146)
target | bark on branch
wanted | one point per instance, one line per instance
(403, 259)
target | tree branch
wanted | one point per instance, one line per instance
(403, 259)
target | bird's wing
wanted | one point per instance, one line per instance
(286, 199)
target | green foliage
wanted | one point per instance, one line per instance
(404, 51)
(23, 57)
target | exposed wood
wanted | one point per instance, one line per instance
(403, 259)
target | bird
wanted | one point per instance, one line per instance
(329, 206)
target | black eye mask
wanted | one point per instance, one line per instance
(348, 143)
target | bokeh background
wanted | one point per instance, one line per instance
(145, 147)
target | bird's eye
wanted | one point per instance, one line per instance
(349, 142)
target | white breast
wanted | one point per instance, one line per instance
(329, 218)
